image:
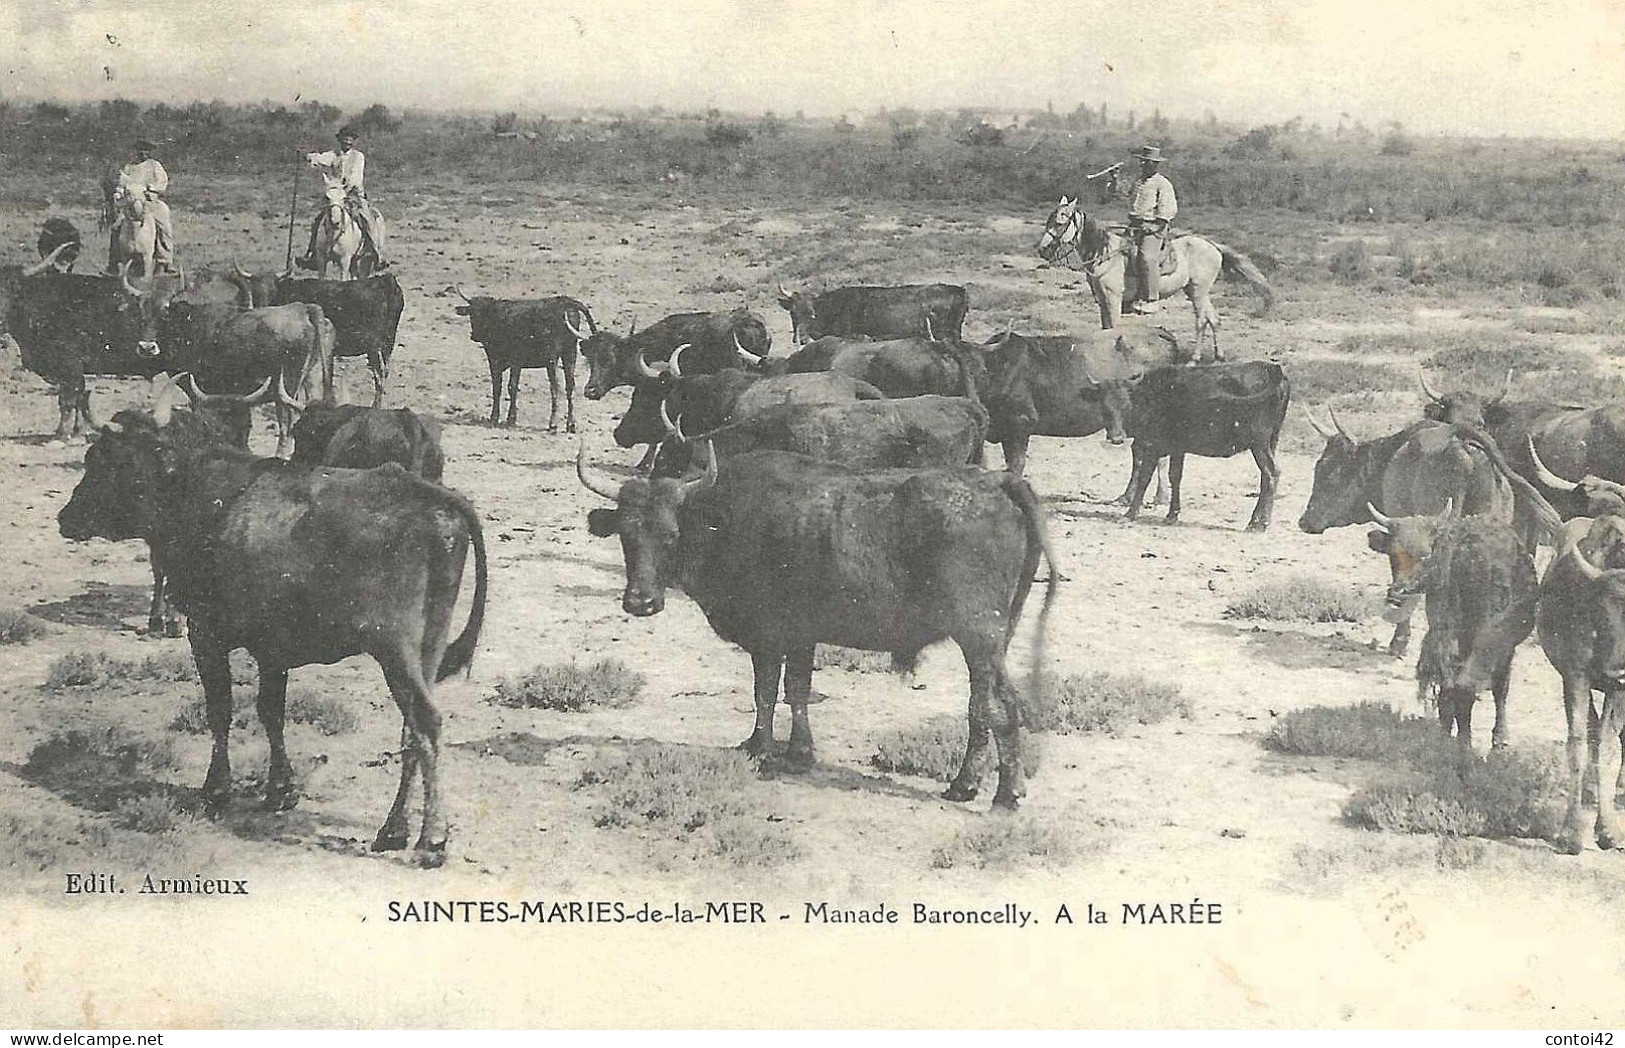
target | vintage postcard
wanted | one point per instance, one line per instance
(858, 514)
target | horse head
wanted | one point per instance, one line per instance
(1060, 229)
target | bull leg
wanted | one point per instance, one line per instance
(375, 364)
(1007, 736)
(1608, 767)
(1269, 475)
(1465, 700)
(904, 664)
(214, 673)
(1577, 707)
(979, 718)
(496, 390)
(765, 668)
(155, 611)
(1015, 453)
(1145, 463)
(1176, 474)
(513, 395)
(1400, 640)
(570, 392)
(271, 704)
(284, 425)
(553, 395)
(67, 405)
(92, 424)
(798, 671)
(422, 722)
(1161, 495)
(392, 835)
(1500, 681)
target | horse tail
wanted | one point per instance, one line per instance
(1237, 264)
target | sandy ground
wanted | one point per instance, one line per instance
(1323, 924)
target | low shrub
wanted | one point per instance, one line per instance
(932, 749)
(1001, 842)
(19, 627)
(1302, 598)
(829, 656)
(571, 687)
(1109, 702)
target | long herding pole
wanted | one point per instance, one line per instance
(293, 215)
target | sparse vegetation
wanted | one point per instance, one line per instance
(705, 799)
(1109, 702)
(19, 627)
(1302, 598)
(571, 687)
(327, 714)
(1006, 842)
(83, 669)
(100, 768)
(932, 749)
(1351, 263)
(1431, 784)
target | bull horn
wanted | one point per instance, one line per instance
(180, 274)
(1449, 508)
(1382, 520)
(459, 289)
(285, 274)
(124, 278)
(1571, 549)
(667, 422)
(782, 293)
(709, 477)
(597, 487)
(1506, 387)
(644, 368)
(675, 368)
(1337, 422)
(48, 261)
(285, 398)
(575, 329)
(1422, 374)
(1544, 475)
(161, 407)
(746, 355)
(1320, 427)
(930, 335)
(240, 271)
(113, 428)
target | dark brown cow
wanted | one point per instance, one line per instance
(357, 437)
(910, 310)
(783, 552)
(299, 565)
(530, 333)
(710, 342)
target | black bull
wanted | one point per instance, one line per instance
(365, 313)
(298, 565)
(715, 341)
(934, 311)
(355, 437)
(1215, 411)
(530, 333)
(783, 552)
(706, 402)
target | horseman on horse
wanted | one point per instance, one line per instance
(350, 229)
(1164, 261)
(133, 204)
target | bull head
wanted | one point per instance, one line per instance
(200, 398)
(46, 262)
(746, 356)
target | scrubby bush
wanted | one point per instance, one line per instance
(1109, 702)
(932, 749)
(83, 669)
(1005, 842)
(571, 687)
(1302, 598)
(1351, 262)
(830, 656)
(19, 627)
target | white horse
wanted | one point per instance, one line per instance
(135, 229)
(1102, 251)
(341, 244)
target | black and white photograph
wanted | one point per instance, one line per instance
(455, 452)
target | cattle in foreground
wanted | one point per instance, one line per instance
(530, 333)
(68, 326)
(1416, 472)
(59, 240)
(352, 436)
(714, 342)
(228, 350)
(365, 313)
(898, 367)
(1047, 385)
(933, 311)
(1479, 590)
(298, 565)
(783, 552)
(1581, 624)
(908, 433)
(1216, 410)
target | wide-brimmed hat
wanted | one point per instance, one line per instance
(1151, 153)
(347, 132)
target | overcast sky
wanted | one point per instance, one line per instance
(1478, 67)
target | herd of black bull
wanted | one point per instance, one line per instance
(841, 475)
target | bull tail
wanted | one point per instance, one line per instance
(1236, 264)
(1032, 513)
(460, 652)
(1529, 505)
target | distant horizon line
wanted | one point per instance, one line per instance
(351, 109)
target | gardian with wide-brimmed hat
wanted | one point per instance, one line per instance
(1148, 152)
